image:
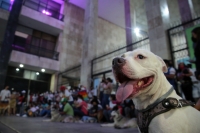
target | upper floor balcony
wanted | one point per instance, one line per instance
(43, 15)
(35, 46)
(46, 7)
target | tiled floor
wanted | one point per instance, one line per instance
(36, 125)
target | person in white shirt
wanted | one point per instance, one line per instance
(196, 84)
(50, 98)
(5, 95)
(68, 95)
(34, 98)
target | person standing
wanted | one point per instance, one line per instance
(196, 45)
(171, 75)
(100, 90)
(5, 95)
(184, 75)
(13, 102)
(107, 89)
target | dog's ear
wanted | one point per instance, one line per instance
(164, 66)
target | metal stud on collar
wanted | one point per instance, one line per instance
(166, 103)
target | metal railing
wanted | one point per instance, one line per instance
(5, 5)
(179, 44)
(35, 50)
(46, 10)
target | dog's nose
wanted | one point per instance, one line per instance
(118, 61)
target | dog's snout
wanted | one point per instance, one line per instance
(118, 61)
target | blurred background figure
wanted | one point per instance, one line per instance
(184, 76)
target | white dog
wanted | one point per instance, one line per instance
(140, 73)
(120, 121)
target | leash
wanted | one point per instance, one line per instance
(161, 105)
(157, 101)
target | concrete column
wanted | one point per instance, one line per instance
(53, 84)
(128, 24)
(89, 41)
(185, 11)
(158, 20)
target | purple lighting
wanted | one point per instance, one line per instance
(11, 3)
(46, 12)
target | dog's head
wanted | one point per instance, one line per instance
(137, 72)
(114, 114)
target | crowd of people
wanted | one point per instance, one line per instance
(183, 80)
(85, 105)
(89, 104)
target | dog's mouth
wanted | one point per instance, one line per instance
(130, 87)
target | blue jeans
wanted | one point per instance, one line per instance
(105, 100)
(45, 112)
(107, 115)
(101, 96)
(78, 113)
(88, 118)
(22, 109)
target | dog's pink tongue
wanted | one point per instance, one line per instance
(125, 90)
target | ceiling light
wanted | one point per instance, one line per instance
(21, 65)
(37, 73)
(43, 70)
(136, 30)
(165, 11)
(17, 69)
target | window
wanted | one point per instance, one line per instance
(39, 43)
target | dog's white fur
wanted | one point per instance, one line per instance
(182, 120)
(55, 116)
(120, 121)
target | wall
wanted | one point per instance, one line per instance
(196, 6)
(3, 22)
(70, 49)
(23, 29)
(174, 12)
(109, 37)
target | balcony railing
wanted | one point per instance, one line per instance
(35, 50)
(46, 10)
(5, 5)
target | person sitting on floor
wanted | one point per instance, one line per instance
(93, 112)
(33, 111)
(68, 112)
(112, 104)
(80, 107)
(45, 110)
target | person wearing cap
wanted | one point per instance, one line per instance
(68, 110)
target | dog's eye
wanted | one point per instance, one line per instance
(140, 56)
(123, 56)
